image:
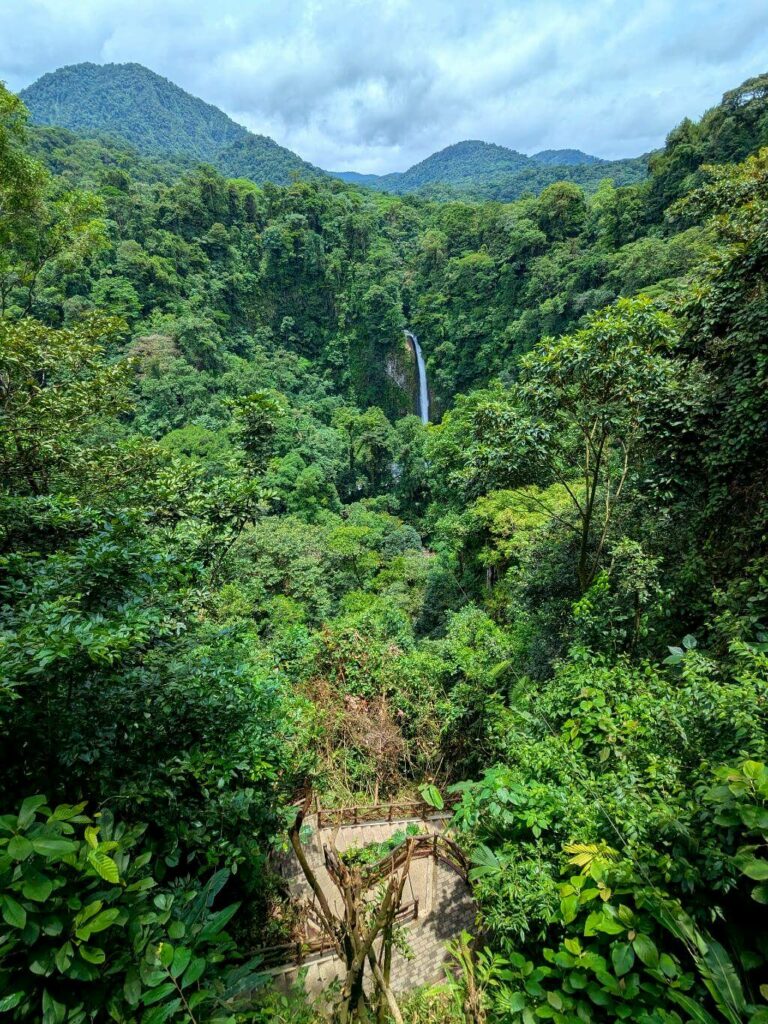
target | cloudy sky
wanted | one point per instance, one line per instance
(375, 85)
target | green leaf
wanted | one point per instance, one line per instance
(646, 950)
(694, 1009)
(486, 862)
(19, 848)
(754, 868)
(622, 958)
(195, 971)
(53, 847)
(516, 1002)
(28, 810)
(10, 1001)
(569, 907)
(176, 929)
(53, 1011)
(165, 954)
(13, 913)
(97, 924)
(599, 921)
(104, 919)
(431, 795)
(37, 887)
(722, 979)
(132, 986)
(92, 954)
(181, 957)
(67, 812)
(554, 999)
(63, 957)
(218, 922)
(156, 994)
(104, 865)
(755, 817)
(159, 1014)
(202, 995)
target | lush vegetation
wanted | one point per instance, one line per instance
(482, 170)
(233, 564)
(133, 104)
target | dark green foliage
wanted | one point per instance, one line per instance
(89, 929)
(230, 566)
(259, 158)
(482, 170)
(130, 101)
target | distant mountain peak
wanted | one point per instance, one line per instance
(566, 157)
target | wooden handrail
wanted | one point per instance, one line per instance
(292, 953)
(331, 817)
(416, 847)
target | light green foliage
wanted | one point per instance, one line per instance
(742, 801)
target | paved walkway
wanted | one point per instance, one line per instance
(445, 907)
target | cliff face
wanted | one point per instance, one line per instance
(401, 380)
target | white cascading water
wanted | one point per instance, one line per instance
(423, 389)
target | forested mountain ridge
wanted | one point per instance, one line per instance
(130, 102)
(134, 103)
(158, 118)
(483, 170)
(234, 569)
(564, 157)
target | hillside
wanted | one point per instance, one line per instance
(483, 170)
(241, 582)
(566, 157)
(132, 103)
(261, 159)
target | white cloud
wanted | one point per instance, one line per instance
(376, 85)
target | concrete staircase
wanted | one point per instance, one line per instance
(445, 905)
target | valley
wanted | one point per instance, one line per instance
(383, 573)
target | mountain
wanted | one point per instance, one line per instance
(454, 165)
(566, 157)
(130, 102)
(483, 170)
(261, 159)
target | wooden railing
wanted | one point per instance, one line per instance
(334, 817)
(300, 952)
(434, 845)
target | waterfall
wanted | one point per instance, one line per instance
(423, 389)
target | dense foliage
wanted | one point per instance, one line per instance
(132, 103)
(482, 170)
(232, 563)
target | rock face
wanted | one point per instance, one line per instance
(445, 908)
(402, 376)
